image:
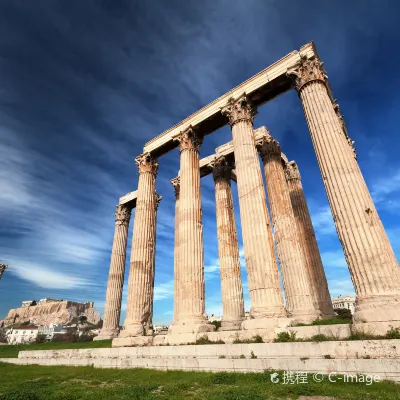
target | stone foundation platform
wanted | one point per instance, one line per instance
(372, 357)
(339, 331)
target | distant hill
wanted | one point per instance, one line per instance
(60, 312)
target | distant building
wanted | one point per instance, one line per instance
(28, 303)
(51, 330)
(344, 302)
(160, 329)
(22, 335)
(48, 300)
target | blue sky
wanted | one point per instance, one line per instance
(85, 84)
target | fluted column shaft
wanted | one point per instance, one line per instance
(176, 183)
(263, 281)
(141, 274)
(191, 309)
(372, 263)
(299, 301)
(112, 307)
(308, 241)
(228, 248)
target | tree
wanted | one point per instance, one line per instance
(343, 313)
(82, 319)
(40, 338)
(217, 324)
(3, 336)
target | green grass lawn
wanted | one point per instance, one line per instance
(11, 351)
(34, 382)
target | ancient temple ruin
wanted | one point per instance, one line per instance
(369, 255)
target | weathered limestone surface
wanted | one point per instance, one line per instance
(141, 274)
(372, 263)
(228, 248)
(377, 357)
(263, 280)
(191, 310)
(299, 300)
(309, 245)
(60, 312)
(176, 183)
(112, 307)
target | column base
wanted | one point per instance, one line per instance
(106, 334)
(377, 308)
(265, 323)
(132, 330)
(132, 341)
(304, 317)
(190, 327)
(232, 325)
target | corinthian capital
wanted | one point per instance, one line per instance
(158, 198)
(222, 169)
(3, 267)
(146, 164)
(292, 172)
(239, 110)
(307, 71)
(176, 183)
(268, 146)
(189, 139)
(122, 215)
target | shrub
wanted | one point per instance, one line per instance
(328, 357)
(284, 337)
(344, 313)
(217, 324)
(257, 339)
(393, 333)
(252, 355)
(355, 335)
(242, 356)
(320, 338)
(40, 338)
(204, 340)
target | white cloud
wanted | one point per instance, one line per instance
(164, 291)
(341, 287)
(46, 277)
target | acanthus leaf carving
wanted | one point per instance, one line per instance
(189, 139)
(308, 70)
(292, 172)
(147, 164)
(222, 168)
(122, 215)
(268, 146)
(239, 110)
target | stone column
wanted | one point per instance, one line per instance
(308, 241)
(228, 248)
(112, 307)
(149, 326)
(191, 309)
(372, 263)
(176, 183)
(299, 300)
(265, 293)
(141, 274)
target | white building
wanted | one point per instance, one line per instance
(344, 302)
(51, 330)
(22, 335)
(48, 300)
